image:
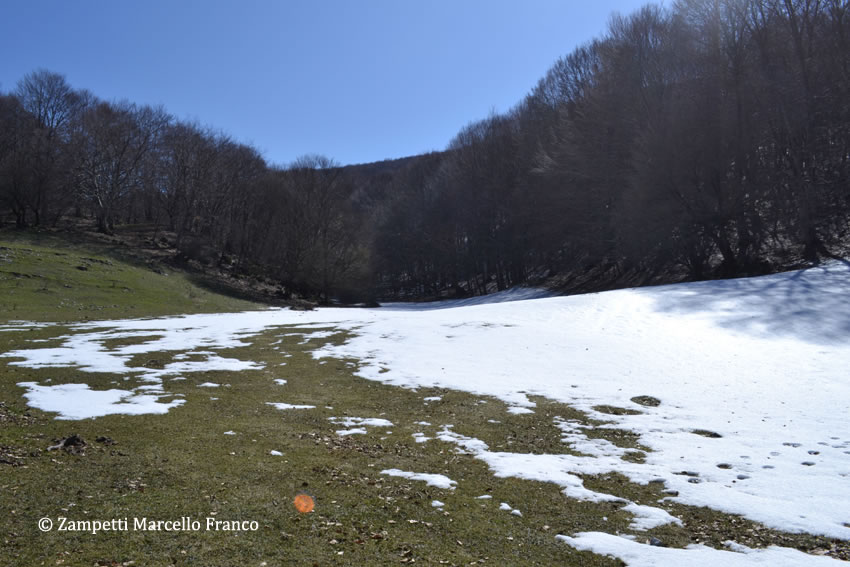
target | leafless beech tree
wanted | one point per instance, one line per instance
(112, 141)
(314, 239)
(17, 127)
(52, 104)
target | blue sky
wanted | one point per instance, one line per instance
(357, 81)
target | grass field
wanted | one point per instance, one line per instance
(183, 464)
(54, 277)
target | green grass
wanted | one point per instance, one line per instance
(47, 278)
(164, 467)
(182, 464)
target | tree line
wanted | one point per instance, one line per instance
(66, 154)
(708, 138)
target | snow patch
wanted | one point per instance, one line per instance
(436, 480)
(364, 421)
(636, 554)
(518, 410)
(78, 401)
(352, 431)
(648, 517)
(284, 406)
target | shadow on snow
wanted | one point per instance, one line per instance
(812, 305)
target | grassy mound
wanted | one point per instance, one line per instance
(45, 277)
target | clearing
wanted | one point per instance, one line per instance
(694, 424)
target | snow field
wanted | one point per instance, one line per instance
(749, 376)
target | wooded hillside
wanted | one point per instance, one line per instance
(707, 139)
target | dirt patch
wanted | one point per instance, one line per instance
(8, 416)
(706, 433)
(647, 401)
(14, 456)
(614, 410)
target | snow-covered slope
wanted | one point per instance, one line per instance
(760, 364)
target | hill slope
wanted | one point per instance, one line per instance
(46, 277)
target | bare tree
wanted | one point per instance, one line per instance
(53, 104)
(16, 130)
(112, 142)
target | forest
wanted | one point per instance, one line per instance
(703, 139)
